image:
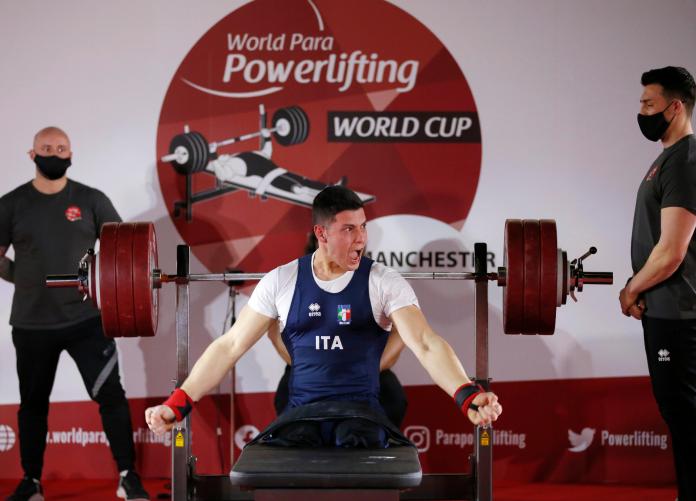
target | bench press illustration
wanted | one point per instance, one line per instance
(254, 171)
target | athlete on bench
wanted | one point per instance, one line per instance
(335, 308)
(392, 397)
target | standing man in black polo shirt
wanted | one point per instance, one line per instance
(662, 291)
(49, 222)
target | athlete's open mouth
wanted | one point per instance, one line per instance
(356, 253)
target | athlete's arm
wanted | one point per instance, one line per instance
(277, 342)
(216, 361)
(433, 352)
(438, 358)
(392, 350)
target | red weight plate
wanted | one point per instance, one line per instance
(106, 271)
(513, 292)
(144, 294)
(548, 285)
(532, 272)
(124, 280)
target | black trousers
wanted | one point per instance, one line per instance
(38, 352)
(348, 433)
(391, 395)
(670, 346)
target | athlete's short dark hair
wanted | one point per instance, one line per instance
(332, 200)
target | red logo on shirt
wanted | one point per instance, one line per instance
(73, 213)
(652, 172)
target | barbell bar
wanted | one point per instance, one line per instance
(123, 278)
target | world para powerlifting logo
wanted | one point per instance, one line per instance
(335, 67)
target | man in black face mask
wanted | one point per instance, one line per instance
(662, 291)
(51, 154)
(49, 222)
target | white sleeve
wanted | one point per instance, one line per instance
(396, 292)
(263, 299)
(389, 291)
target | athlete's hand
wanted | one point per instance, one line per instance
(488, 409)
(160, 419)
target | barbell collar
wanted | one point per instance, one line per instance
(501, 275)
(157, 279)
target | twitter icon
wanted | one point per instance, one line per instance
(580, 441)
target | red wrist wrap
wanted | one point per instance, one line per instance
(180, 403)
(465, 395)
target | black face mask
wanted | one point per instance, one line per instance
(654, 126)
(52, 167)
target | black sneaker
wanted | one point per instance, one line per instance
(131, 488)
(29, 489)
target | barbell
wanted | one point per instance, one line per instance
(123, 279)
(190, 151)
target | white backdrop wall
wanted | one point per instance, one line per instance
(556, 86)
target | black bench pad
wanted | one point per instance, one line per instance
(263, 466)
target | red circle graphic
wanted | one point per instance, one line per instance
(305, 62)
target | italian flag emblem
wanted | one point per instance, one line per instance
(343, 314)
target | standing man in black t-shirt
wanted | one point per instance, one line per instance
(662, 291)
(49, 222)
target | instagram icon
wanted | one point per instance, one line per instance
(420, 436)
